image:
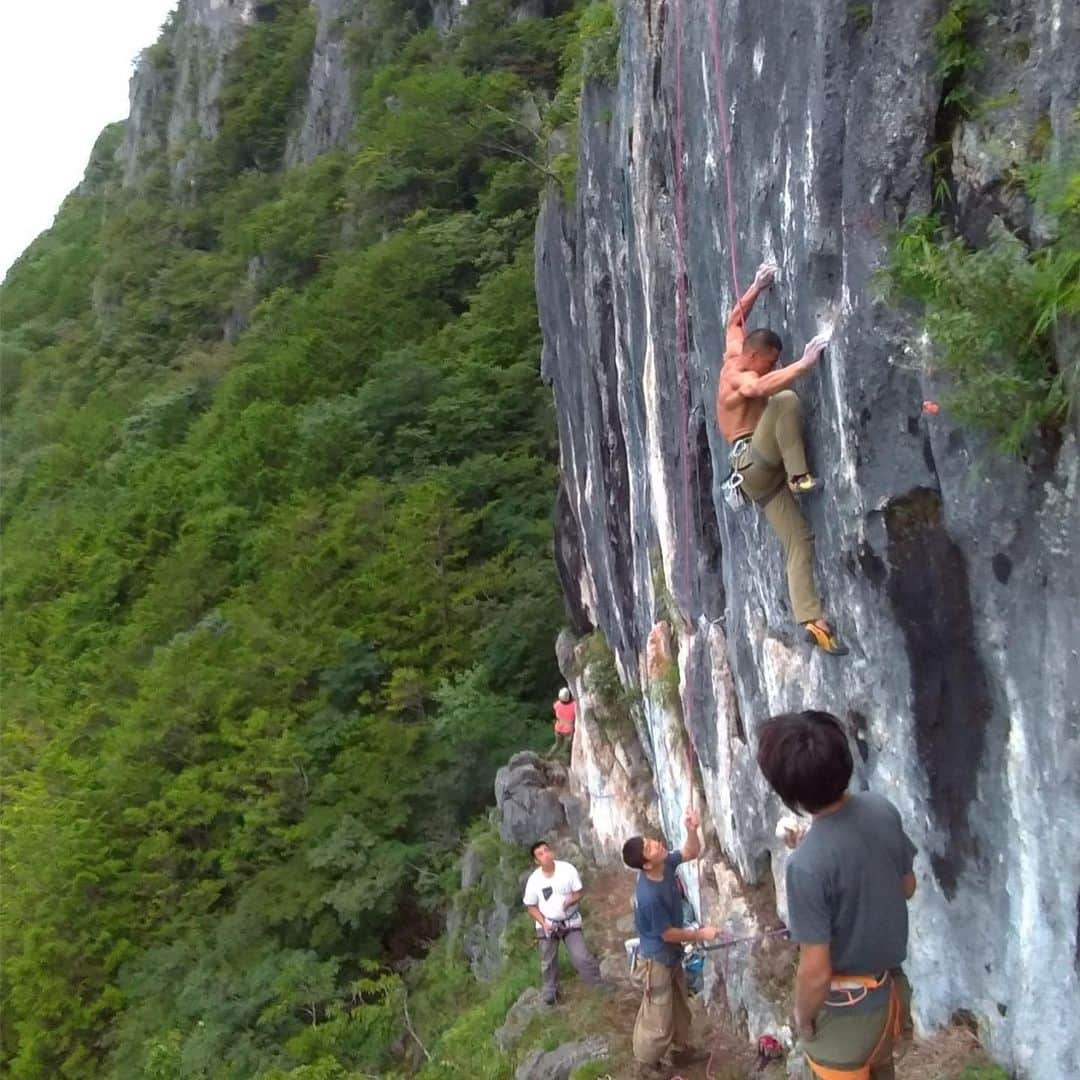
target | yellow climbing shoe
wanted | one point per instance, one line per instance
(804, 485)
(825, 639)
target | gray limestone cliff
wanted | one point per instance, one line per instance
(953, 571)
(176, 85)
(327, 117)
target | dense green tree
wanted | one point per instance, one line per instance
(277, 577)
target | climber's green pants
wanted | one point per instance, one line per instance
(775, 453)
(846, 1041)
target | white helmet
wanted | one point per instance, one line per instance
(564, 694)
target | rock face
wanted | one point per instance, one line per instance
(327, 117)
(490, 897)
(955, 574)
(558, 1064)
(529, 1005)
(177, 84)
(175, 88)
(529, 808)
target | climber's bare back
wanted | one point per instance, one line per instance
(736, 415)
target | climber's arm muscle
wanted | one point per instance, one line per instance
(764, 386)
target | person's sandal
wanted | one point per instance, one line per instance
(826, 640)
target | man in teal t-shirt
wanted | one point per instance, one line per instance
(663, 1020)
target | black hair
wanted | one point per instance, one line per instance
(762, 339)
(633, 852)
(806, 759)
(538, 844)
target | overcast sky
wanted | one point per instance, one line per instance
(64, 70)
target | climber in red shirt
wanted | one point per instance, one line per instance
(565, 713)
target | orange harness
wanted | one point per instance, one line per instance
(852, 985)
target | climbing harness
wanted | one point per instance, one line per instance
(856, 987)
(571, 920)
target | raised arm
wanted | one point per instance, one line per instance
(750, 385)
(736, 323)
(691, 848)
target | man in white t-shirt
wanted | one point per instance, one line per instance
(551, 896)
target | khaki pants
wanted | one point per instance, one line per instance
(776, 452)
(843, 1041)
(664, 1017)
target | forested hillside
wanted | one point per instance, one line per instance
(278, 474)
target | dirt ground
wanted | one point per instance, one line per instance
(609, 923)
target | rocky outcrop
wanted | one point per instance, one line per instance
(484, 907)
(327, 117)
(954, 573)
(560, 1063)
(528, 1006)
(528, 800)
(176, 85)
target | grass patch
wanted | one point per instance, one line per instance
(664, 688)
(466, 1048)
(598, 29)
(861, 16)
(957, 57)
(597, 665)
(591, 53)
(593, 1070)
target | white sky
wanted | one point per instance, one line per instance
(64, 70)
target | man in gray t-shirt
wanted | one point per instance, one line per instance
(848, 884)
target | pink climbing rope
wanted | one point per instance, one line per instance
(684, 375)
(725, 142)
(681, 313)
(682, 283)
(684, 322)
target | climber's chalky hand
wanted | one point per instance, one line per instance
(815, 347)
(691, 820)
(765, 276)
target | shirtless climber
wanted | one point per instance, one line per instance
(761, 418)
